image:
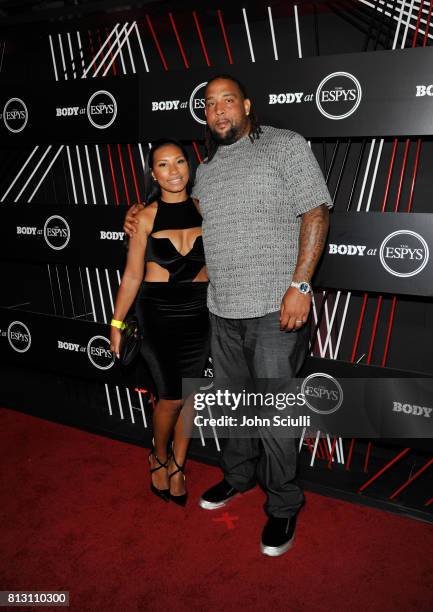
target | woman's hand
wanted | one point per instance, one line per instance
(130, 224)
(115, 336)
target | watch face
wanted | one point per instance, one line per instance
(304, 287)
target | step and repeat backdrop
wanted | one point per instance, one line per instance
(67, 122)
(373, 252)
(358, 94)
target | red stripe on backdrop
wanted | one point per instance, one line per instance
(203, 46)
(373, 332)
(349, 456)
(384, 469)
(113, 178)
(414, 174)
(400, 182)
(92, 50)
(367, 456)
(330, 454)
(226, 42)
(152, 31)
(388, 180)
(197, 152)
(173, 24)
(427, 26)
(325, 448)
(388, 334)
(134, 175)
(358, 329)
(415, 35)
(411, 479)
(122, 168)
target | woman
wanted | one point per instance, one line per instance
(166, 268)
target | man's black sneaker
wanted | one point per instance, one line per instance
(278, 535)
(218, 496)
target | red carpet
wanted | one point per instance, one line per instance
(77, 515)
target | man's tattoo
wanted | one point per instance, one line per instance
(312, 236)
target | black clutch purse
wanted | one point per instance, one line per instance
(130, 341)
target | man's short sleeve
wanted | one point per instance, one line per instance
(305, 181)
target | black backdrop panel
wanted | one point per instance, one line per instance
(58, 344)
(82, 110)
(90, 235)
(357, 94)
(383, 252)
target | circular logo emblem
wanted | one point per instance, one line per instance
(98, 351)
(15, 115)
(323, 393)
(19, 336)
(56, 232)
(338, 95)
(196, 103)
(404, 253)
(101, 109)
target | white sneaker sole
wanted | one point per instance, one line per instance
(207, 505)
(276, 551)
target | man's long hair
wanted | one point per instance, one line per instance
(255, 130)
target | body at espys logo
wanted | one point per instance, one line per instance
(56, 232)
(101, 109)
(196, 103)
(98, 351)
(404, 253)
(323, 393)
(19, 336)
(15, 115)
(338, 95)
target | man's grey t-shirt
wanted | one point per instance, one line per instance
(251, 195)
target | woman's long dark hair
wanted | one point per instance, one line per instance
(152, 190)
(255, 130)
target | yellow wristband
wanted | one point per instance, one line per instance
(118, 324)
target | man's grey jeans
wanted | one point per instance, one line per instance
(256, 348)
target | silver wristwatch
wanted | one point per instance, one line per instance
(303, 286)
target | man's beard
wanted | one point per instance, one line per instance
(229, 137)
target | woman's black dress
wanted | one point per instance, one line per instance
(173, 315)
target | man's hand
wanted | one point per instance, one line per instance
(131, 222)
(295, 308)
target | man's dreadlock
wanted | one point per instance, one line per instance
(255, 130)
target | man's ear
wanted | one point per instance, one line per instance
(247, 106)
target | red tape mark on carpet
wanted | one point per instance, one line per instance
(227, 519)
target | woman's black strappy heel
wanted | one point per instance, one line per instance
(162, 493)
(180, 500)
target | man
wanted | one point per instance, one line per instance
(264, 204)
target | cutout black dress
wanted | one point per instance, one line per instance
(173, 315)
